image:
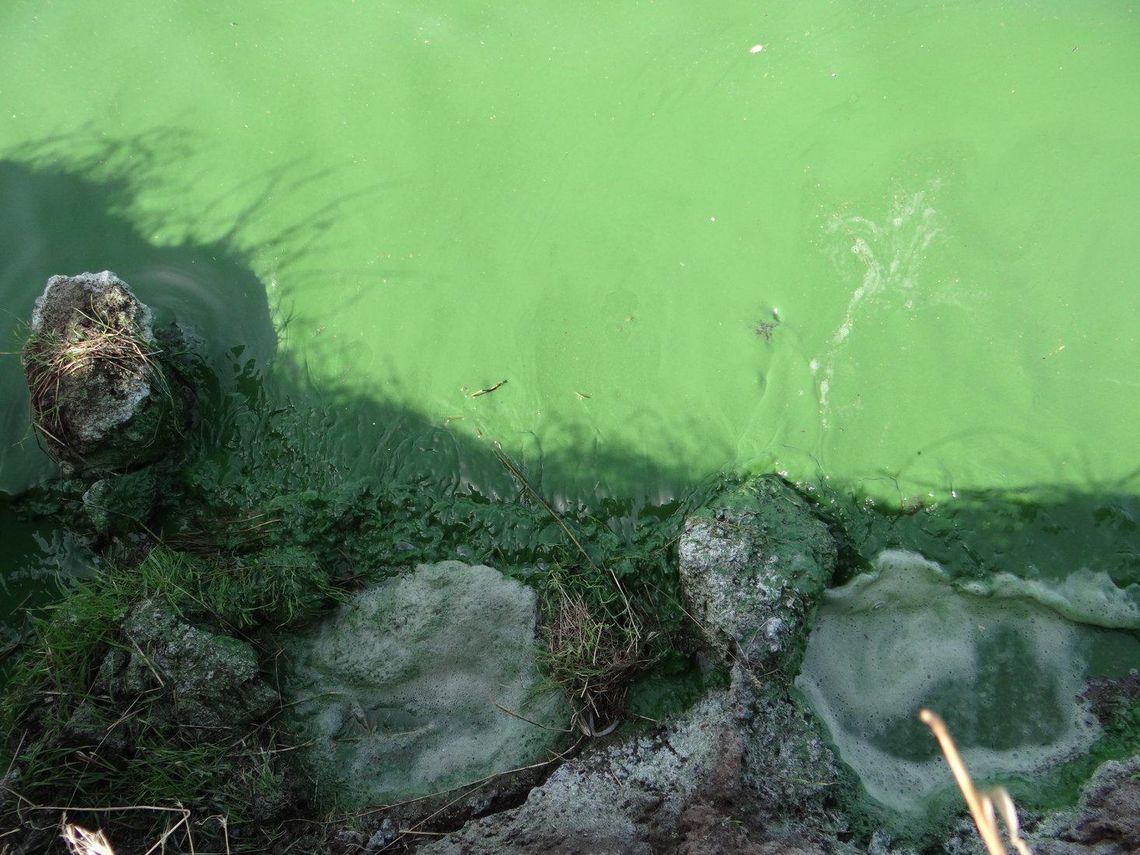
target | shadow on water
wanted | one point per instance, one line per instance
(282, 429)
(263, 434)
(55, 221)
(356, 467)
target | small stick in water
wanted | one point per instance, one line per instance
(488, 390)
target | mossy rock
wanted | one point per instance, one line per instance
(103, 399)
(754, 563)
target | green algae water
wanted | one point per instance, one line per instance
(600, 204)
(891, 244)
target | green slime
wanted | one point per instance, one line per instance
(601, 203)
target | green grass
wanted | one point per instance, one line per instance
(75, 746)
(266, 537)
(275, 588)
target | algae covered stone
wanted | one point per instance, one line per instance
(117, 503)
(421, 683)
(101, 397)
(214, 680)
(754, 563)
(197, 683)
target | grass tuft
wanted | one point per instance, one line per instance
(96, 343)
(595, 647)
(80, 739)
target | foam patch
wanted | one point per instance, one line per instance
(1000, 667)
(423, 683)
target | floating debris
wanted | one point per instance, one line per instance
(764, 329)
(486, 391)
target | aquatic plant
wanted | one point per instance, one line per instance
(597, 643)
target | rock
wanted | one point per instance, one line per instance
(422, 683)
(736, 773)
(121, 503)
(212, 682)
(195, 686)
(385, 836)
(746, 769)
(1107, 820)
(754, 564)
(101, 396)
(623, 799)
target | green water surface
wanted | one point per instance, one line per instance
(890, 245)
(599, 202)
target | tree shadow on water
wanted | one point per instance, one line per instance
(74, 218)
(262, 432)
(55, 221)
(368, 475)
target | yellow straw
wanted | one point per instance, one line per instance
(986, 827)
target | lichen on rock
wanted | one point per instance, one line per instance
(754, 563)
(209, 681)
(102, 397)
(1107, 820)
(746, 768)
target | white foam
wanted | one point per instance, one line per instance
(1083, 596)
(904, 637)
(891, 252)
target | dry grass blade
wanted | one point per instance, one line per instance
(593, 657)
(981, 804)
(1004, 804)
(80, 841)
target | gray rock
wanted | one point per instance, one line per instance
(196, 683)
(1107, 820)
(753, 565)
(101, 397)
(744, 770)
(618, 800)
(735, 773)
(212, 682)
(383, 837)
(423, 683)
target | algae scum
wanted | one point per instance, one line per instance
(474, 327)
